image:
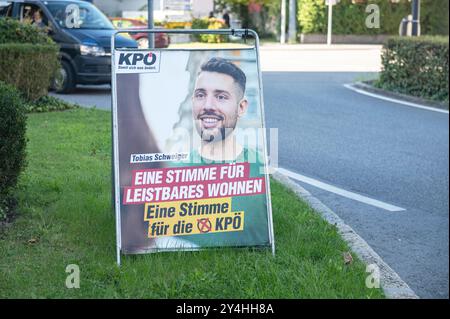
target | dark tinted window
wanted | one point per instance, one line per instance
(87, 17)
(5, 11)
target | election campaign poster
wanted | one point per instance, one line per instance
(189, 150)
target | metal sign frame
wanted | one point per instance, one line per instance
(244, 33)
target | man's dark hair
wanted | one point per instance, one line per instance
(220, 65)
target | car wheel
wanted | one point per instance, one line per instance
(142, 43)
(64, 81)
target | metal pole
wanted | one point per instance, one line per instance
(283, 22)
(292, 33)
(330, 21)
(115, 151)
(151, 36)
(416, 18)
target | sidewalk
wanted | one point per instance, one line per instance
(320, 58)
(303, 47)
(277, 57)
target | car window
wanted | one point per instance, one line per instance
(32, 14)
(26, 13)
(5, 11)
(78, 15)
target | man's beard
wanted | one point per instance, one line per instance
(224, 132)
(215, 134)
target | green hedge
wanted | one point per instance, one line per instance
(349, 17)
(434, 17)
(29, 67)
(416, 66)
(13, 31)
(12, 142)
(28, 58)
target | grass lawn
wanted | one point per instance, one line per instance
(67, 218)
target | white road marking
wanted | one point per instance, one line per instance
(377, 96)
(394, 287)
(340, 191)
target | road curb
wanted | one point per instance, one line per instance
(393, 286)
(398, 96)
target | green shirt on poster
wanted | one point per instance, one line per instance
(256, 231)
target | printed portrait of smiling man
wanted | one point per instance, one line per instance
(218, 101)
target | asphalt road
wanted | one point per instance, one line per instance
(386, 151)
(389, 152)
(98, 96)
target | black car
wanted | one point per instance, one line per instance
(81, 30)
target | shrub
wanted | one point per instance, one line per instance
(48, 104)
(312, 16)
(28, 67)
(12, 31)
(177, 25)
(12, 141)
(416, 66)
(28, 58)
(434, 17)
(349, 16)
(259, 15)
(208, 23)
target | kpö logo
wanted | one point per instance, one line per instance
(134, 58)
(137, 61)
